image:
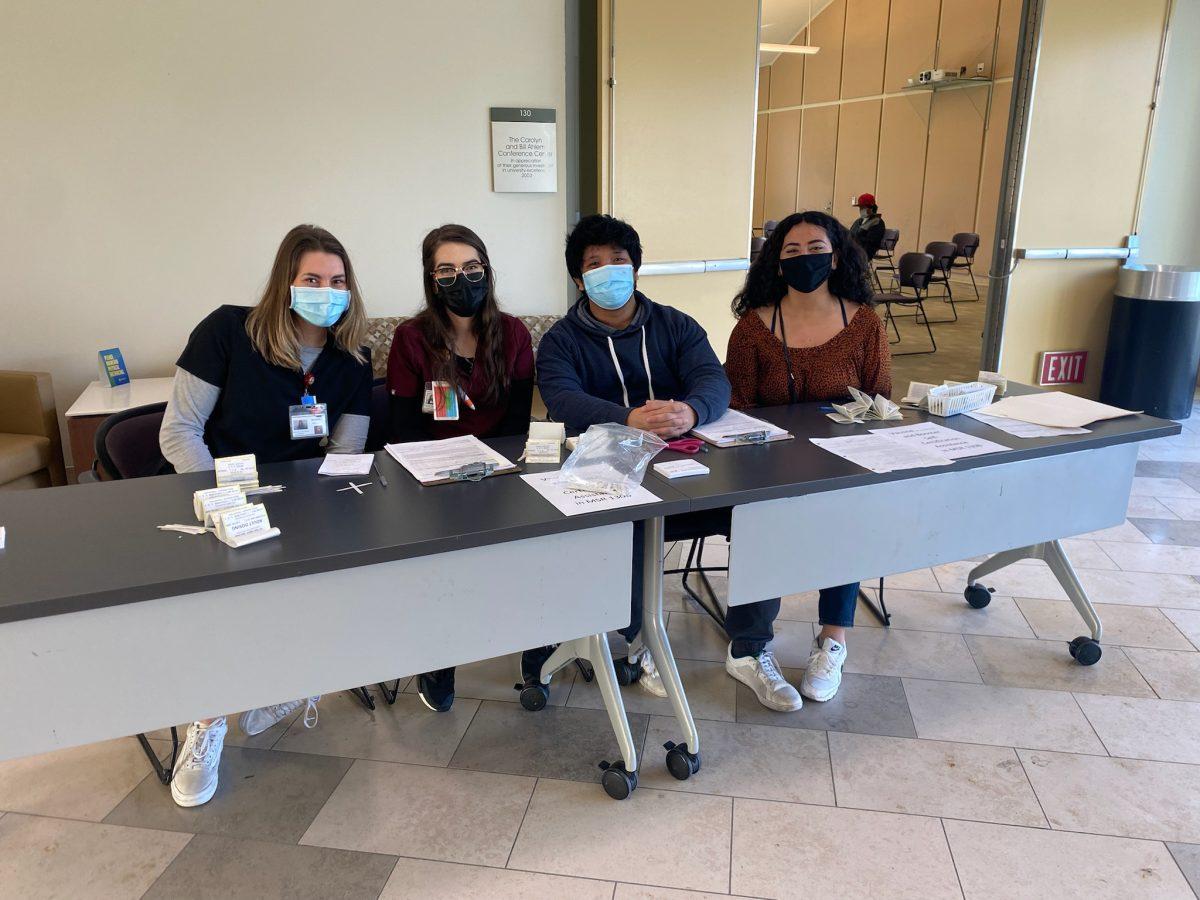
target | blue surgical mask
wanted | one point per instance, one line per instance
(320, 306)
(609, 287)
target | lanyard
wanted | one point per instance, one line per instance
(787, 355)
(307, 398)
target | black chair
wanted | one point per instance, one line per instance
(127, 444)
(967, 243)
(756, 245)
(377, 431)
(913, 272)
(885, 259)
(943, 253)
(769, 226)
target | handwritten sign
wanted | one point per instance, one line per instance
(524, 150)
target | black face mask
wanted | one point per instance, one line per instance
(463, 298)
(808, 272)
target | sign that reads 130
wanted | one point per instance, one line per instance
(524, 150)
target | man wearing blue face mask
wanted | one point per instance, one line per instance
(619, 357)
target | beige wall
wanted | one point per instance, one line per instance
(1085, 143)
(154, 154)
(1171, 194)
(684, 142)
(924, 155)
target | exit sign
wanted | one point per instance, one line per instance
(1062, 367)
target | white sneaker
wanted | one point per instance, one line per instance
(650, 680)
(823, 675)
(761, 674)
(194, 780)
(256, 721)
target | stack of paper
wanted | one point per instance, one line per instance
(862, 407)
(1020, 429)
(940, 440)
(1054, 409)
(347, 464)
(877, 453)
(435, 462)
(735, 428)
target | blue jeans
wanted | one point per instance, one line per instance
(750, 626)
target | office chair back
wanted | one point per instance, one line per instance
(915, 270)
(891, 237)
(377, 430)
(769, 226)
(943, 253)
(967, 243)
(756, 245)
(127, 443)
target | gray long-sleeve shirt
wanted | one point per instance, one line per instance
(193, 400)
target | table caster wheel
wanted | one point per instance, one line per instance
(1085, 650)
(978, 596)
(627, 672)
(534, 696)
(680, 763)
(617, 782)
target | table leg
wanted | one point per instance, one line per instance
(1085, 650)
(682, 760)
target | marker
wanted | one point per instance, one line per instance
(467, 400)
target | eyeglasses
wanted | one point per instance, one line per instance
(472, 271)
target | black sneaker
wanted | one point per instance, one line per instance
(436, 689)
(532, 661)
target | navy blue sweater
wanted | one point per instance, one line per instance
(582, 386)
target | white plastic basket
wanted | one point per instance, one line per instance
(949, 400)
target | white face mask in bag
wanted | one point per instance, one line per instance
(610, 459)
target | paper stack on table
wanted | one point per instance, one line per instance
(1020, 429)
(736, 428)
(347, 464)
(432, 462)
(1054, 409)
(940, 440)
(877, 453)
(862, 408)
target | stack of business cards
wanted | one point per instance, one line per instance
(680, 468)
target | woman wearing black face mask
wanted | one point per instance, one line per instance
(461, 339)
(806, 331)
(484, 356)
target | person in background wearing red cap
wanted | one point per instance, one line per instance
(868, 227)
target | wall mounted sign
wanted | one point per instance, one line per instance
(1062, 367)
(524, 150)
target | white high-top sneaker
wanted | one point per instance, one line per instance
(823, 675)
(194, 780)
(761, 674)
(256, 721)
(650, 680)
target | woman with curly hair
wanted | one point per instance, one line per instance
(806, 331)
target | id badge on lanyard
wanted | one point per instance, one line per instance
(309, 419)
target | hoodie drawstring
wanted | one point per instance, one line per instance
(612, 350)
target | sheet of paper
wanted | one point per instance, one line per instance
(210, 500)
(880, 455)
(572, 502)
(426, 461)
(1020, 429)
(940, 440)
(236, 470)
(733, 423)
(347, 464)
(1056, 409)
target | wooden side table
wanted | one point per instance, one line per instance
(97, 403)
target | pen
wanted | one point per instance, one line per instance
(382, 480)
(466, 399)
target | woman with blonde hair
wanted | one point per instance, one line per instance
(242, 370)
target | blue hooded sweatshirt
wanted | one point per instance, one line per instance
(589, 374)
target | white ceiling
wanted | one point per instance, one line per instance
(782, 20)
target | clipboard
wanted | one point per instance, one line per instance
(736, 429)
(451, 460)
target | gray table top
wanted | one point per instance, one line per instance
(90, 546)
(95, 545)
(789, 468)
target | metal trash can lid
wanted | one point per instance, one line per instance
(1142, 282)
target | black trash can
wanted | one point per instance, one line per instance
(1153, 341)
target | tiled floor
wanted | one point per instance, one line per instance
(966, 755)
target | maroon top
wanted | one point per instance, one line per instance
(409, 368)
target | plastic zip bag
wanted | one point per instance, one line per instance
(610, 459)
